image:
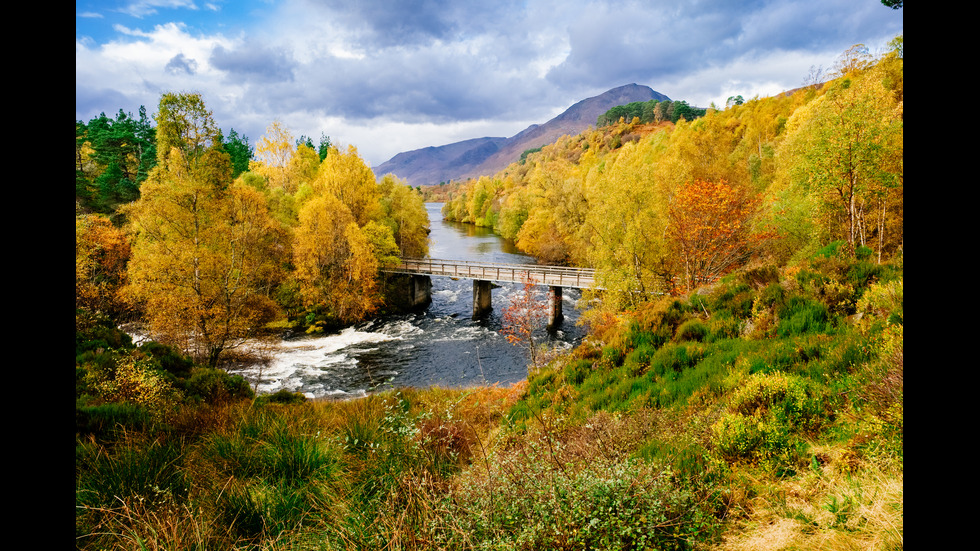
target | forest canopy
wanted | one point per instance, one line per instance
(652, 111)
(784, 176)
(209, 242)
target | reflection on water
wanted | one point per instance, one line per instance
(441, 346)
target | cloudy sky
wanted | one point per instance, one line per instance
(396, 75)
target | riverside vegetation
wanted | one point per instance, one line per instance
(757, 405)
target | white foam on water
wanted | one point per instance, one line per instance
(446, 295)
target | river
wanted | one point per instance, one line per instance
(441, 346)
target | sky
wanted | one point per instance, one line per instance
(389, 76)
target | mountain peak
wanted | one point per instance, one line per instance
(487, 156)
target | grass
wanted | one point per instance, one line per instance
(756, 416)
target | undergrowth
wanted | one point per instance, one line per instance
(764, 412)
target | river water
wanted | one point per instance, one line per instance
(441, 346)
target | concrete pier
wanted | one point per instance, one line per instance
(420, 291)
(555, 315)
(481, 298)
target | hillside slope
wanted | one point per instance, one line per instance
(484, 156)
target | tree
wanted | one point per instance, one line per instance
(240, 152)
(101, 254)
(523, 317)
(203, 257)
(184, 124)
(336, 262)
(347, 177)
(404, 212)
(113, 157)
(709, 231)
(845, 150)
(626, 220)
(273, 155)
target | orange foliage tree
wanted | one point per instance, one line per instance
(101, 254)
(709, 231)
(522, 317)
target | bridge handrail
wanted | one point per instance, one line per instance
(477, 264)
(577, 277)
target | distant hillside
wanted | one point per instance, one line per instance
(486, 156)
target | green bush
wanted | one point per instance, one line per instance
(790, 400)
(613, 355)
(768, 415)
(169, 358)
(101, 337)
(800, 316)
(216, 385)
(283, 396)
(638, 360)
(577, 371)
(631, 504)
(759, 441)
(675, 357)
(691, 330)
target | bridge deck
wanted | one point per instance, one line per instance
(579, 278)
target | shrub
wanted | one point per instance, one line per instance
(216, 386)
(632, 504)
(613, 355)
(691, 330)
(283, 396)
(674, 357)
(101, 336)
(168, 358)
(136, 380)
(767, 413)
(801, 316)
(110, 420)
(577, 371)
(790, 400)
(759, 441)
(151, 473)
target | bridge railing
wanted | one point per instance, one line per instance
(560, 276)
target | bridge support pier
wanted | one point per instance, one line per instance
(481, 298)
(419, 291)
(555, 315)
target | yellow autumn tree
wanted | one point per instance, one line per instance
(843, 151)
(202, 262)
(273, 155)
(347, 177)
(627, 219)
(403, 211)
(337, 262)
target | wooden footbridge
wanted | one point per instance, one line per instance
(484, 273)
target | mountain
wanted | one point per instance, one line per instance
(487, 156)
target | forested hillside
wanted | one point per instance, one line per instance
(741, 386)
(664, 207)
(652, 111)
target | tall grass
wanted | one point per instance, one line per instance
(757, 411)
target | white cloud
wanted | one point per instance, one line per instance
(389, 77)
